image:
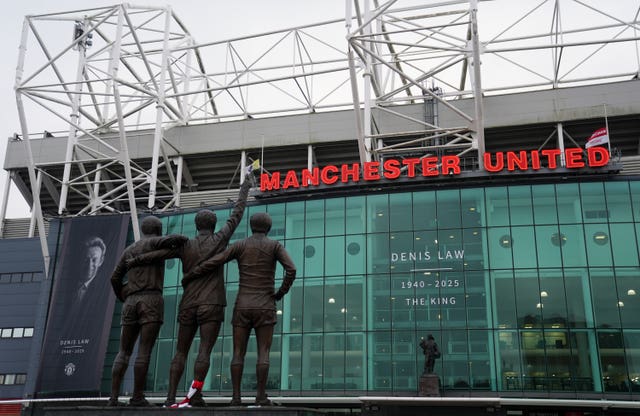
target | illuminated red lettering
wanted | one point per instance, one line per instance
(573, 158)
(535, 160)
(450, 165)
(310, 177)
(269, 184)
(517, 159)
(411, 166)
(291, 180)
(391, 169)
(430, 166)
(499, 165)
(597, 156)
(370, 172)
(552, 157)
(354, 172)
(325, 175)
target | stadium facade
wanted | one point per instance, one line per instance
(510, 241)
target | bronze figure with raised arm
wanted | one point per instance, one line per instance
(255, 306)
(203, 301)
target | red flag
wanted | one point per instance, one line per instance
(598, 138)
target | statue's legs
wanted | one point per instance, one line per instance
(148, 335)
(128, 336)
(264, 337)
(240, 339)
(186, 333)
(208, 335)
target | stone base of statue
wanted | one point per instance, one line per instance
(429, 385)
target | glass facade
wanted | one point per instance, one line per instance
(526, 288)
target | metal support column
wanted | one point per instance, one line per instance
(5, 201)
(477, 85)
(158, 133)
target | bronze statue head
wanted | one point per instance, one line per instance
(206, 220)
(260, 222)
(151, 226)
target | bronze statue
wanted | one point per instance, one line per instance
(255, 306)
(431, 352)
(203, 300)
(143, 308)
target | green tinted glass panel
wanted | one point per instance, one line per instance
(548, 246)
(314, 257)
(497, 206)
(378, 254)
(634, 188)
(499, 244)
(529, 304)
(618, 201)
(377, 213)
(523, 247)
(605, 298)
(355, 214)
(472, 207)
(572, 245)
(598, 242)
(314, 218)
(278, 218)
(314, 303)
(400, 212)
(520, 205)
(335, 216)
(334, 256)
(628, 296)
(623, 244)
(594, 207)
(579, 309)
(424, 211)
(336, 304)
(544, 204)
(569, 204)
(448, 209)
(294, 227)
(355, 261)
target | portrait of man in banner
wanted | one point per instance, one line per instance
(82, 304)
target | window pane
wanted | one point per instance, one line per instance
(424, 211)
(6, 332)
(605, 298)
(335, 216)
(314, 218)
(571, 240)
(295, 220)
(10, 379)
(628, 296)
(618, 201)
(500, 242)
(594, 207)
(504, 284)
(355, 214)
(520, 210)
(18, 332)
(569, 204)
(544, 204)
(356, 254)
(28, 332)
(623, 245)
(524, 248)
(598, 244)
(377, 213)
(497, 206)
(612, 361)
(334, 256)
(548, 244)
(472, 205)
(448, 208)
(313, 257)
(400, 212)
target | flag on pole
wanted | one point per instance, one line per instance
(255, 165)
(598, 138)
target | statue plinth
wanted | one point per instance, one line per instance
(429, 385)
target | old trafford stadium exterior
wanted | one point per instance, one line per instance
(445, 170)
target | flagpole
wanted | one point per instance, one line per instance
(606, 126)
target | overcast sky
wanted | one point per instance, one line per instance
(207, 20)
